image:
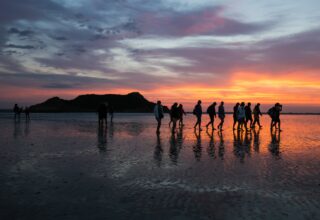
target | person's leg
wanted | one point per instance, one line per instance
(174, 124)
(159, 124)
(222, 122)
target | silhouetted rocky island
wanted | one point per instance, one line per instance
(132, 102)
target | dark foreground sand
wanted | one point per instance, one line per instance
(58, 168)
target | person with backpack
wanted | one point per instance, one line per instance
(248, 115)
(256, 114)
(278, 109)
(158, 113)
(197, 111)
(221, 115)
(212, 114)
(235, 116)
(271, 113)
(242, 117)
(174, 116)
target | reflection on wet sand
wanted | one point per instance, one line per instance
(211, 147)
(197, 149)
(256, 140)
(158, 151)
(221, 145)
(17, 131)
(274, 146)
(242, 144)
(102, 138)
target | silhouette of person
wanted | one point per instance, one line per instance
(27, 113)
(158, 113)
(221, 115)
(111, 112)
(16, 111)
(235, 116)
(274, 113)
(278, 109)
(212, 114)
(174, 116)
(197, 111)
(102, 113)
(181, 114)
(256, 114)
(241, 117)
(248, 112)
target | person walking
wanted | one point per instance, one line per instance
(197, 111)
(221, 115)
(174, 116)
(235, 116)
(158, 113)
(242, 117)
(181, 114)
(256, 116)
(212, 114)
(248, 111)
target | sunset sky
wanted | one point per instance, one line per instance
(172, 50)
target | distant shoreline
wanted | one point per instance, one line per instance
(229, 113)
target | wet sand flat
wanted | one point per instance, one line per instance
(63, 166)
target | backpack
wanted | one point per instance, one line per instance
(270, 112)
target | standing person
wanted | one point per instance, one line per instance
(242, 116)
(158, 113)
(248, 114)
(212, 114)
(278, 109)
(197, 111)
(235, 116)
(175, 116)
(27, 113)
(102, 114)
(181, 113)
(256, 114)
(221, 114)
(111, 111)
(16, 110)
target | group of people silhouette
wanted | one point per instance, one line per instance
(19, 110)
(242, 116)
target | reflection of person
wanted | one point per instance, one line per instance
(211, 148)
(256, 140)
(221, 145)
(197, 149)
(274, 146)
(197, 111)
(212, 114)
(158, 113)
(102, 138)
(256, 114)
(157, 155)
(27, 113)
(221, 115)
(173, 149)
(111, 112)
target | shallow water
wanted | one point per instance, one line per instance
(62, 166)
